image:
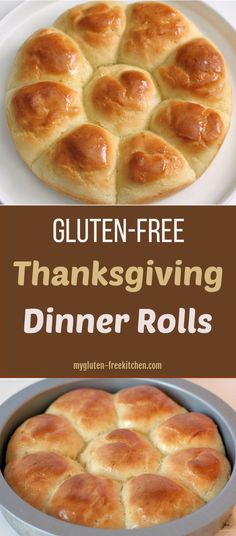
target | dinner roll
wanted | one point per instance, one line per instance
(153, 499)
(97, 28)
(153, 31)
(88, 500)
(149, 168)
(196, 131)
(204, 470)
(34, 477)
(196, 71)
(39, 113)
(187, 430)
(82, 164)
(121, 98)
(142, 407)
(49, 55)
(44, 433)
(121, 454)
(90, 411)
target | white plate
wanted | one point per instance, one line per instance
(19, 186)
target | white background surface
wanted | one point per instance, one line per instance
(221, 176)
(224, 388)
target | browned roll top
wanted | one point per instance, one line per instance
(97, 23)
(35, 476)
(156, 160)
(187, 430)
(86, 149)
(44, 433)
(121, 454)
(88, 500)
(198, 67)
(38, 106)
(155, 20)
(130, 91)
(203, 462)
(204, 470)
(152, 26)
(52, 52)
(90, 410)
(141, 407)
(155, 499)
(192, 122)
(147, 167)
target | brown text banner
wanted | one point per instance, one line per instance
(104, 291)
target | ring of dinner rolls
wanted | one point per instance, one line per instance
(149, 92)
(131, 459)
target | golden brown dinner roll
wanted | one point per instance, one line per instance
(45, 433)
(153, 499)
(196, 71)
(196, 131)
(121, 454)
(91, 411)
(39, 113)
(88, 500)
(150, 168)
(34, 477)
(121, 98)
(153, 30)
(144, 406)
(187, 430)
(49, 55)
(97, 28)
(82, 164)
(204, 470)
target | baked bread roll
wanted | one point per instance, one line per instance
(196, 71)
(153, 500)
(34, 477)
(142, 407)
(45, 433)
(153, 31)
(97, 27)
(187, 430)
(39, 113)
(121, 98)
(49, 55)
(110, 67)
(82, 164)
(113, 461)
(88, 500)
(205, 471)
(149, 168)
(90, 411)
(196, 131)
(121, 454)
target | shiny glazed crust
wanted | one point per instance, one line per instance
(127, 69)
(128, 460)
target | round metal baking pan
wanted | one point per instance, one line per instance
(28, 521)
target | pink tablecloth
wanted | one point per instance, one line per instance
(230, 528)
